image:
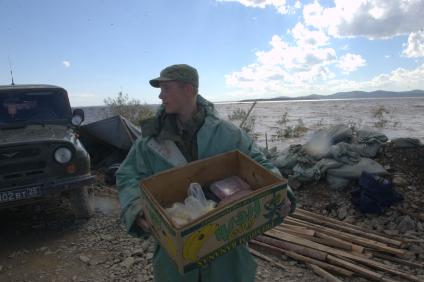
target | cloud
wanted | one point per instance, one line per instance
(298, 4)
(281, 5)
(369, 18)
(415, 45)
(67, 64)
(350, 62)
(305, 36)
(295, 63)
(304, 64)
(345, 47)
(397, 80)
(286, 65)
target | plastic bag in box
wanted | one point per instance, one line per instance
(228, 186)
(193, 207)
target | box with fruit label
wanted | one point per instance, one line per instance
(199, 242)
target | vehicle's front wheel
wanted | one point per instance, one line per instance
(81, 203)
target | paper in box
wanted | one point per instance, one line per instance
(221, 230)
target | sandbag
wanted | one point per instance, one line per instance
(354, 171)
(338, 153)
(313, 174)
(342, 152)
(287, 158)
(335, 134)
(320, 141)
(368, 136)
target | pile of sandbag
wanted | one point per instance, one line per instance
(338, 154)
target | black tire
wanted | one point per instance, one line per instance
(81, 203)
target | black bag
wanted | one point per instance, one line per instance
(374, 194)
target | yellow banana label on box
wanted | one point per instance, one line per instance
(195, 242)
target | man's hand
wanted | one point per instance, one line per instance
(143, 223)
(292, 198)
(285, 209)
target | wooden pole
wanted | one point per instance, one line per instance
(305, 259)
(397, 260)
(266, 258)
(395, 242)
(293, 247)
(266, 141)
(247, 115)
(328, 240)
(365, 272)
(349, 237)
(297, 231)
(340, 225)
(324, 274)
(336, 252)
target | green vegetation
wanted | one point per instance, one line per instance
(380, 114)
(320, 123)
(131, 109)
(284, 130)
(383, 116)
(244, 120)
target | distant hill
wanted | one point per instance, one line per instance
(349, 95)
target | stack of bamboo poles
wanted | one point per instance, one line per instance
(329, 246)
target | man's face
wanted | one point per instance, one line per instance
(174, 96)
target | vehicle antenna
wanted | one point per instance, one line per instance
(11, 72)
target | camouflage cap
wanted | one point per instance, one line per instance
(181, 72)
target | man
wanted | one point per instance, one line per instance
(186, 128)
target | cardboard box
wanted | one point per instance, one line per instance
(217, 232)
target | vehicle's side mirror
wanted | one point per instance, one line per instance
(77, 117)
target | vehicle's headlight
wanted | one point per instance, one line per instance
(76, 120)
(62, 155)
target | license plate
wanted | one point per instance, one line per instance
(21, 194)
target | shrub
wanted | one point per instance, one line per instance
(283, 120)
(380, 113)
(238, 116)
(320, 123)
(354, 125)
(130, 109)
(289, 131)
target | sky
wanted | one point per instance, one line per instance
(242, 49)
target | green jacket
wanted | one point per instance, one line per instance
(214, 137)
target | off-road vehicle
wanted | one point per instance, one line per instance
(40, 154)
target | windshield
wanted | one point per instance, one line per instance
(34, 107)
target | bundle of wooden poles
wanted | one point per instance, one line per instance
(335, 249)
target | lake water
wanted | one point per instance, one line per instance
(403, 116)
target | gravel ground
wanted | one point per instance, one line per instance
(44, 242)
(49, 245)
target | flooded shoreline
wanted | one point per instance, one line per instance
(400, 117)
